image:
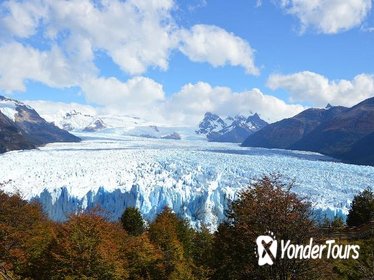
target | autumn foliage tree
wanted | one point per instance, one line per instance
(89, 247)
(25, 233)
(266, 205)
(145, 259)
(172, 236)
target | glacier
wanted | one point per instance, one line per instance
(195, 178)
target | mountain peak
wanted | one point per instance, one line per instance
(328, 106)
(209, 115)
(210, 123)
(334, 132)
(96, 125)
(231, 129)
(23, 128)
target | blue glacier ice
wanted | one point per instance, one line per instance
(195, 178)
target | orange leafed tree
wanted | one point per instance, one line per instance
(89, 247)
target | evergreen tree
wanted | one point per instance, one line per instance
(132, 221)
(362, 208)
(337, 223)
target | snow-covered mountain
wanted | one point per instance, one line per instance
(77, 122)
(96, 125)
(231, 129)
(21, 127)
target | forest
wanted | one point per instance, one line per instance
(90, 246)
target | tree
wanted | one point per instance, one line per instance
(337, 223)
(25, 234)
(332, 225)
(362, 208)
(266, 205)
(132, 221)
(174, 238)
(363, 267)
(89, 247)
(202, 253)
(144, 258)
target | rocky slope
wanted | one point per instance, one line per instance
(345, 133)
(11, 137)
(21, 127)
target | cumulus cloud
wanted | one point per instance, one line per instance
(143, 97)
(193, 100)
(135, 34)
(314, 88)
(19, 64)
(207, 43)
(329, 17)
(20, 19)
(136, 96)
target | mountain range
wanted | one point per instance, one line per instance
(344, 133)
(21, 127)
(231, 129)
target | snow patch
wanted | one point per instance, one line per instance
(8, 108)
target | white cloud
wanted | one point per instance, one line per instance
(135, 34)
(193, 100)
(312, 87)
(19, 63)
(20, 19)
(328, 16)
(143, 97)
(207, 43)
(366, 28)
(137, 96)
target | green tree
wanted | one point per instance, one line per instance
(332, 225)
(337, 223)
(362, 208)
(202, 253)
(363, 267)
(132, 221)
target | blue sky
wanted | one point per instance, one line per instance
(165, 57)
